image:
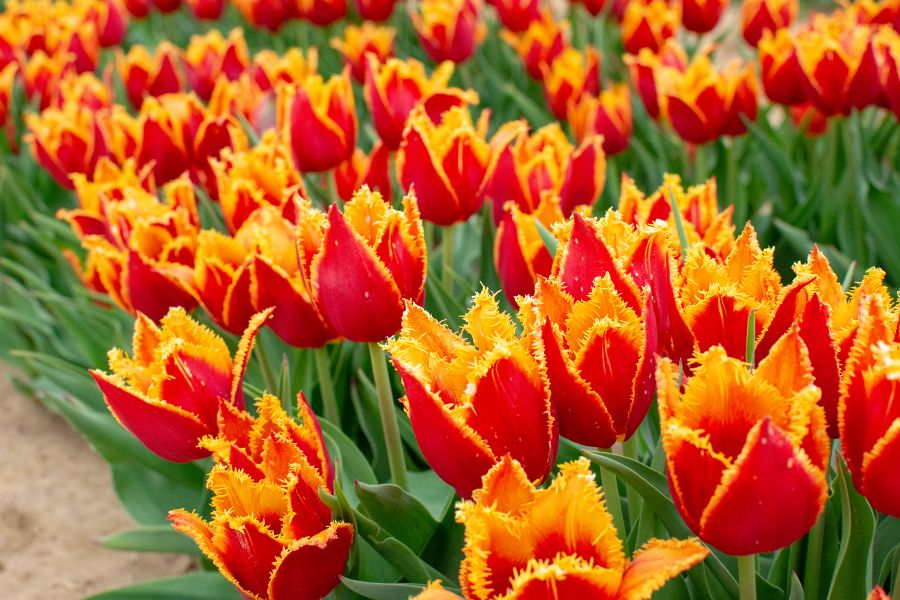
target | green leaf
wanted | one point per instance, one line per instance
(190, 586)
(550, 241)
(853, 572)
(382, 591)
(350, 462)
(887, 539)
(796, 589)
(432, 492)
(402, 515)
(148, 496)
(160, 538)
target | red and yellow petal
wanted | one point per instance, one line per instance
(657, 562)
(881, 471)
(311, 567)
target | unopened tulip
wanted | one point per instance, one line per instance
(321, 12)
(374, 10)
(66, 141)
(462, 397)
(607, 114)
(517, 15)
(539, 44)
(646, 70)
(700, 16)
(557, 542)
(648, 24)
(449, 29)
(171, 392)
(269, 533)
(267, 14)
(759, 16)
(782, 76)
(211, 56)
(145, 75)
(572, 75)
(371, 260)
(359, 42)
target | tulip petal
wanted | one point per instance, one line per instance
(354, 291)
(242, 356)
(881, 470)
(566, 576)
(247, 551)
(310, 568)
(746, 517)
(295, 318)
(815, 329)
(151, 291)
(655, 563)
(720, 320)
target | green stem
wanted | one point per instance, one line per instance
(389, 426)
(333, 197)
(447, 254)
(613, 502)
(815, 539)
(895, 575)
(700, 163)
(747, 576)
(629, 450)
(751, 339)
(268, 375)
(326, 386)
(731, 182)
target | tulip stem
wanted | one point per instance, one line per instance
(447, 254)
(613, 501)
(814, 541)
(326, 386)
(747, 576)
(629, 450)
(389, 426)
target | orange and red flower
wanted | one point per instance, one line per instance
(375, 10)
(211, 56)
(171, 393)
(361, 41)
(700, 16)
(782, 76)
(268, 14)
(449, 29)
(66, 141)
(145, 75)
(463, 398)
(539, 44)
(645, 69)
(371, 170)
(607, 114)
(732, 437)
(321, 12)
(558, 542)
(759, 16)
(207, 10)
(318, 118)
(572, 75)
(371, 260)
(517, 15)
(269, 534)
(648, 24)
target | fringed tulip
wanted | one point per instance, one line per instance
(359, 42)
(646, 70)
(539, 44)
(83, 90)
(648, 24)
(449, 29)
(572, 75)
(759, 16)
(110, 19)
(269, 533)
(171, 393)
(608, 115)
(371, 260)
(66, 141)
(557, 542)
(371, 170)
(7, 81)
(318, 118)
(268, 69)
(745, 452)
(472, 403)
(211, 56)
(144, 74)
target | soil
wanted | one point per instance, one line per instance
(56, 502)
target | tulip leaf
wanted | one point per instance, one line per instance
(796, 589)
(350, 461)
(432, 492)
(205, 585)
(549, 240)
(887, 541)
(399, 513)
(153, 538)
(853, 572)
(382, 591)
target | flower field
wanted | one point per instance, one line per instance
(441, 299)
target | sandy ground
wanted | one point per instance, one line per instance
(56, 501)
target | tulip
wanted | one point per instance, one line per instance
(209, 57)
(371, 170)
(607, 115)
(449, 29)
(110, 20)
(395, 87)
(809, 119)
(166, 6)
(7, 81)
(435, 591)
(269, 533)
(170, 394)
(82, 47)
(704, 104)
(782, 76)
(520, 255)
(249, 179)
(82, 90)
(646, 70)
(539, 44)
(41, 73)
(759, 16)
(462, 397)
(207, 10)
(449, 162)
(648, 24)
(517, 15)
(267, 14)
(374, 10)
(321, 12)
(319, 120)
(65, 141)
(868, 415)
(372, 258)
(268, 69)
(138, 8)
(594, 7)
(558, 542)
(889, 45)
(841, 71)
(733, 437)
(700, 16)
(145, 75)
(359, 42)
(572, 75)
(876, 594)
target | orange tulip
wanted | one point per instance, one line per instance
(648, 24)
(539, 44)
(172, 392)
(371, 170)
(269, 533)
(145, 75)
(732, 438)
(704, 104)
(759, 16)
(449, 29)
(700, 16)
(318, 118)
(371, 260)
(211, 56)
(267, 14)
(449, 162)
(558, 542)
(66, 141)
(607, 115)
(462, 398)
(868, 414)
(359, 42)
(645, 69)
(572, 75)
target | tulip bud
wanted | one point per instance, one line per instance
(449, 29)
(461, 397)
(66, 141)
(607, 115)
(732, 437)
(517, 15)
(319, 120)
(145, 75)
(647, 69)
(209, 57)
(171, 392)
(558, 542)
(539, 44)
(571, 76)
(359, 42)
(371, 260)
(700, 16)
